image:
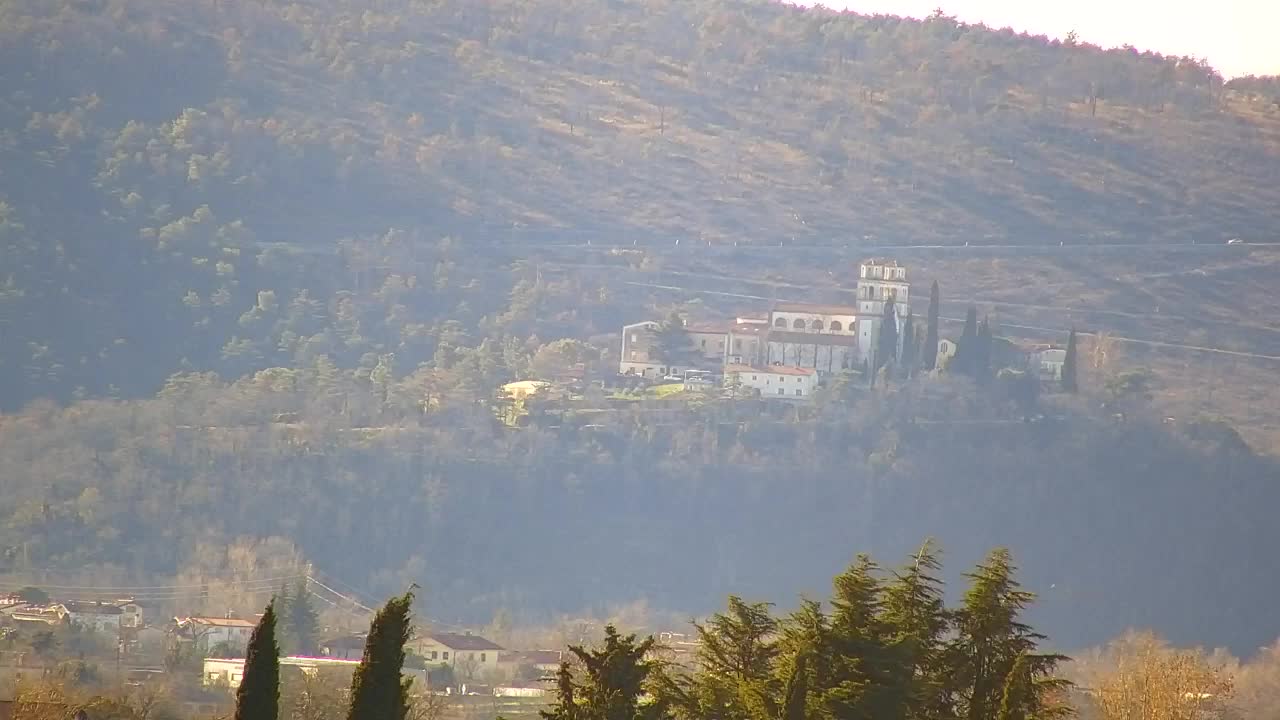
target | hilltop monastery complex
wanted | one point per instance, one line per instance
(786, 351)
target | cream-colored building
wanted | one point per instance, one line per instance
(806, 318)
(775, 382)
(818, 337)
(461, 651)
(209, 632)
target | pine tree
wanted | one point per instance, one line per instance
(258, 697)
(806, 638)
(1069, 364)
(379, 691)
(737, 649)
(916, 622)
(614, 679)
(887, 342)
(1017, 697)
(284, 602)
(858, 687)
(669, 343)
(930, 354)
(566, 706)
(302, 622)
(794, 704)
(989, 640)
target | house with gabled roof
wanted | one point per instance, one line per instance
(461, 651)
(209, 632)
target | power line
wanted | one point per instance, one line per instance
(144, 588)
(351, 600)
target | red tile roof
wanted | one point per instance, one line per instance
(771, 370)
(816, 309)
(804, 338)
(221, 622)
(460, 641)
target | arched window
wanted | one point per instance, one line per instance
(780, 322)
(817, 325)
(798, 324)
(836, 326)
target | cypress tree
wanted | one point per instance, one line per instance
(965, 361)
(258, 697)
(982, 358)
(1069, 383)
(887, 342)
(909, 350)
(930, 354)
(379, 691)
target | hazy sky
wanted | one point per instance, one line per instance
(1238, 37)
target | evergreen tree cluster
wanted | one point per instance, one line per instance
(888, 647)
(379, 690)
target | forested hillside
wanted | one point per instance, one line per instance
(1118, 524)
(263, 263)
(226, 184)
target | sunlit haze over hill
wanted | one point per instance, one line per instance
(1236, 36)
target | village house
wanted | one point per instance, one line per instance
(1049, 362)
(946, 350)
(543, 661)
(774, 382)
(344, 647)
(466, 653)
(705, 350)
(209, 632)
(105, 617)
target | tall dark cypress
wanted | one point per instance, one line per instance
(258, 697)
(930, 354)
(1069, 383)
(887, 342)
(965, 361)
(909, 345)
(982, 358)
(379, 690)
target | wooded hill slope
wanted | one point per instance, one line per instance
(163, 163)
